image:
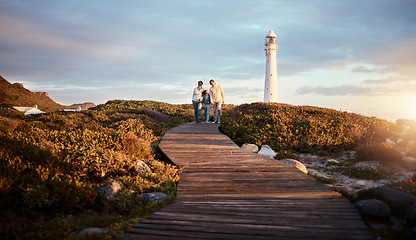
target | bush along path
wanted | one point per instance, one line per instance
(227, 193)
(370, 161)
(64, 172)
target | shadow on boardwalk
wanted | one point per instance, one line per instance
(226, 193)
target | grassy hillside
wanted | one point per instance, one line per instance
(302, 128)
(16, 95)
(51, 166)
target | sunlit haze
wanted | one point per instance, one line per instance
(356, 56)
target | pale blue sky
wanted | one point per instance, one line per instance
(357, 55)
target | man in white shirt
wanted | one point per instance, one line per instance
(217, 98)
(196, 101)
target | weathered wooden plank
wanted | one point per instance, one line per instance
(230, 223)
(249, 231)
(271, 214)
(225, 193)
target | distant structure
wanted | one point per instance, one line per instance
(270, 83)
(29, 110)
(80, 107)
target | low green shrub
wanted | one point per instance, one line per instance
(380, 152)
(8, 125)
(301, 129)
(375, 175)
(282, 154)
(51, 165)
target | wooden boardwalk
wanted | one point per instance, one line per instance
(226, 193)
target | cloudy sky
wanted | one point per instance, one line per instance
(356, 55)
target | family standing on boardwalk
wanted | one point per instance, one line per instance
(202, 97)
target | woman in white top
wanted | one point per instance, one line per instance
(197, 101)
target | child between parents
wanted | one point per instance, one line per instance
(206, 100)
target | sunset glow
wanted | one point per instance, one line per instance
(356, 56)
(409, 107)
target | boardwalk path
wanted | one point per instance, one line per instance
(225, 193)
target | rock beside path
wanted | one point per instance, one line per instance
(265, 150)
(140, 167)
(155, 197)
(399, 202)
(374, 209)
(110, 191)
(250, 148)
(411, 216)
(317, 174)
(296, 163)
(367, 166)
(90, 231)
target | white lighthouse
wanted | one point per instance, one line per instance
(270, 83)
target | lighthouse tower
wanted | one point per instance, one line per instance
(270, 83)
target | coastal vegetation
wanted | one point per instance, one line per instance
(52, 165)
(352, 152)
(302, 129)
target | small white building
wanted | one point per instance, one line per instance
(29, 110)
(78, 109)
